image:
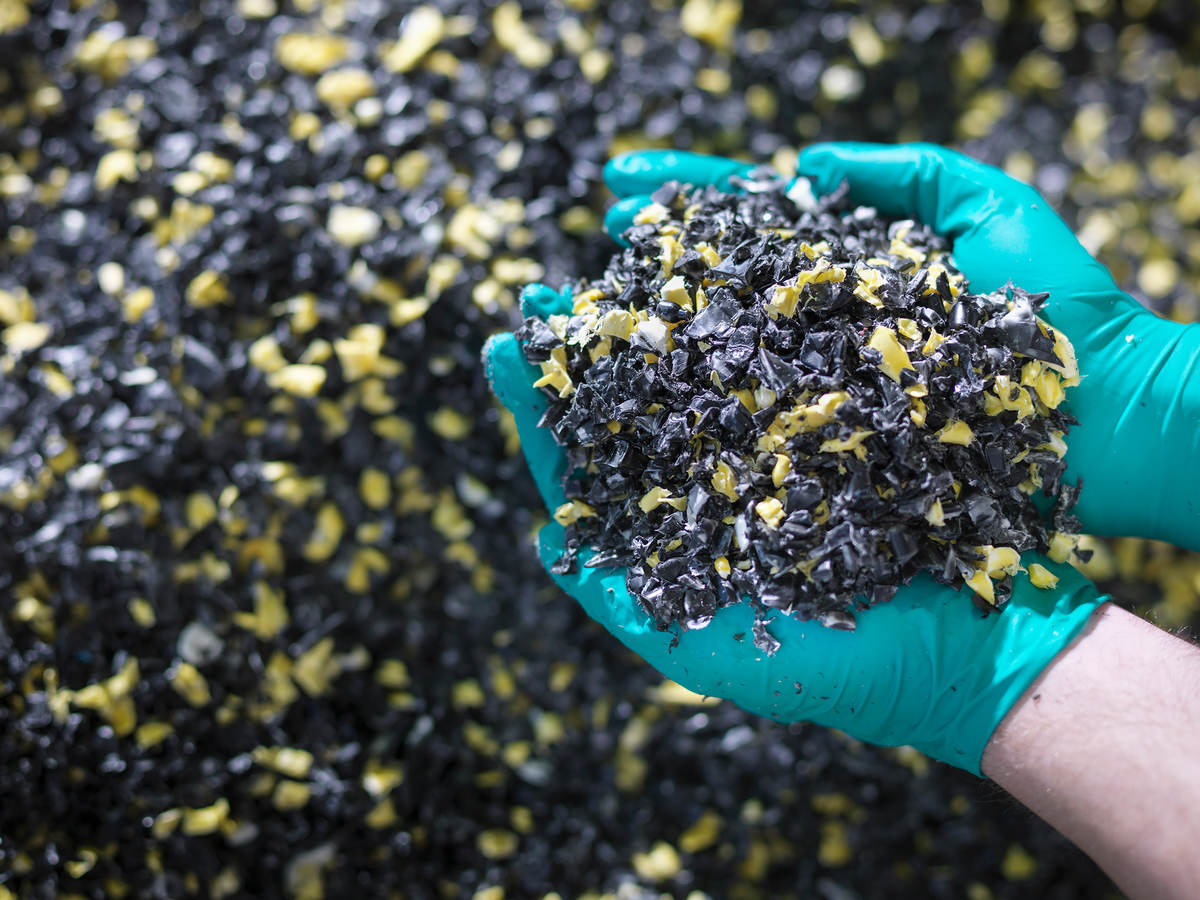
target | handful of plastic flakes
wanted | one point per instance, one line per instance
(785, 399)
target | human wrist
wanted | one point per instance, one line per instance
(988, 663)
(1101, 746)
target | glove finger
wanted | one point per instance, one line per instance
(511, 378)
(543, 301)
(709, 661)
(1002, 229)
(619, 217)
(644, 171)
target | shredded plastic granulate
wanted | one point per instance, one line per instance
(182, 247)
(802, 403)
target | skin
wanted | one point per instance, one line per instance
(1103, 747)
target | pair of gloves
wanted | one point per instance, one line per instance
(926, 669)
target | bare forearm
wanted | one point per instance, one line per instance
(1105, 746)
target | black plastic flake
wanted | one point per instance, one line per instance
(806, 407)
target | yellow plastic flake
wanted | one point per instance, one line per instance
(701, 834)
(554, 373)
(111, 698)
(651, 214)
(316, 668)
(1041, 577)
(714, 81)
(330, 525)
(136, 303)
(999, 561)
(13, 14)
(310, 54)
(207, 289)
(724, 482)
(585, 301)
(420, 32)
(115, 126)
(1064, 350)
(142, 612)
(712, 21)
(117, 165)
(24, 336)
(675, 291)
(661, 862)
(518, 38)
(366, 564)
(378, 779)
(290, 761)
(1056, 445)
(299, 380)
(1062, 546)
(359, 352)
(770, 511)
(594, 63)
(111, 56)
(205, 820)
(899, 247)
(956, 431)
(870, 281)
(257, 9)
(375, 488)
(200, 510)
(841, 445)
(786, 296)
(746, 396)
(669, 252)
(573, 511)
(270, 614)
(935, 340)
(290, 795)
(304, 125)
(405, 311)
(936, 515)
(383, 815)
(617, 323)
(1045, 382)
(895, 359)
(351, 226)
(1006, 396)
(801, 419)
(152, 734)
(783, 465)
(214, 168)
(1018, 864)
(708, 253)
(450, 424)
(909, 328)
(981, 584)
(16, 307)
(342, 88)
(722, 567)
(657, 496)
(189, 684)
(497, 843)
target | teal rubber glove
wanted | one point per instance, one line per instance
(1139, 400)
(925, 669)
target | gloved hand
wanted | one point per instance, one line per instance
(925, 669)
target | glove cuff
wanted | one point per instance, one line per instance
(1034, 627)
